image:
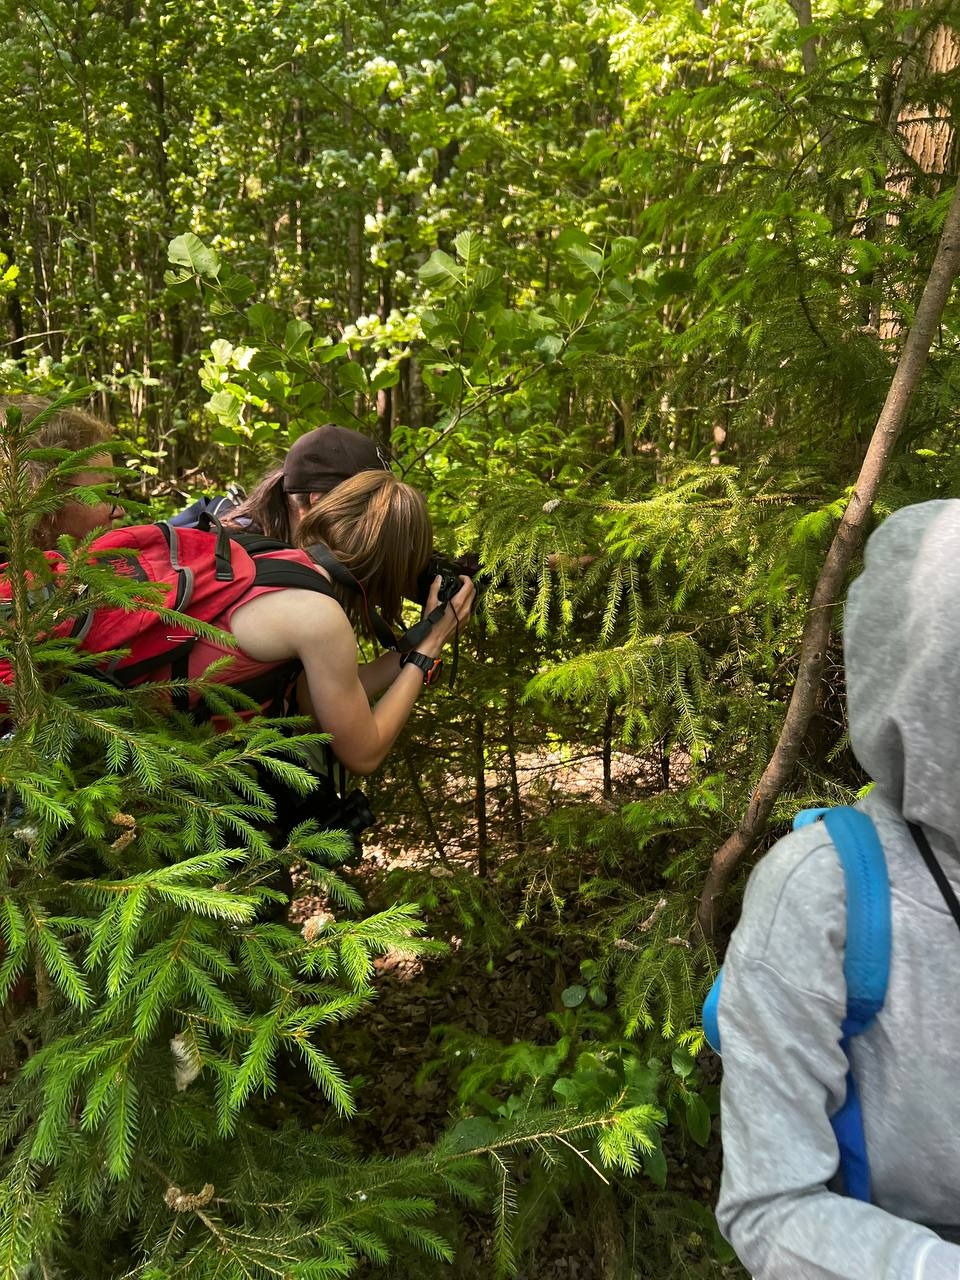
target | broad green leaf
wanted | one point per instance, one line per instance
(388, 377)
(682, 1062)
(351, 376)
(588, 258)
(189, 251)
(296, 337)
(468, 246)
(655, 1167)
(323, 355)
(238, 288)
(549, 347)
(571, 237)
(440, 269)
(698, 1119)
(221, 350)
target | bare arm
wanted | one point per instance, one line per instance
(379, 674)
(314, 629)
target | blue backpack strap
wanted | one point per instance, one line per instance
(866, 962)
(866, 969)
(709, 1016)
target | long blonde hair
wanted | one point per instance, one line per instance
(378, 528)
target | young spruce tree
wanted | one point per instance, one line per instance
(148, 1009)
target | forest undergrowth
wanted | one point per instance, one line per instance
(507, 987)
(623, 290)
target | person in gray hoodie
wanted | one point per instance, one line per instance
(784, 997)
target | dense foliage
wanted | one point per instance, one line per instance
(622, 288)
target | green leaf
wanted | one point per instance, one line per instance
(225, 406)
(588, 258)
(352, 377)
(682, 1062)
(572, 237)
(655, 1166)
(573, 996)
(468, 245)
(262, 318)
(237, 288)
(620, 289)
(296, 337)
(323, 355)
(221, 350)
(549, 347)
(189, 251)
(673, 282)
(698, 1119)
(439, 270)
(388, 377)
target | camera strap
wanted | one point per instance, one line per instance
(409, 639)
(342, 576)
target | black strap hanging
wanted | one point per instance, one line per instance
(341, 575)
(221, 551)
(935, 869)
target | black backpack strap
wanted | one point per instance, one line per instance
(289, 573)
(255, 544)
(176, 658)
(221, 552)
(935, 869)
(341, 575)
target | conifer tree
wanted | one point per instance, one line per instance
(149, 1010)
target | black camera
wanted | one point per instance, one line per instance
(450, 572)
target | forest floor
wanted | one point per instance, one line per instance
(407, 1096)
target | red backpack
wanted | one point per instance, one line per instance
(204, 572)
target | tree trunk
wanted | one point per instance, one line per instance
(928, 135)
(846, 543)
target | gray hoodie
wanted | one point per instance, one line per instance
(784, 995)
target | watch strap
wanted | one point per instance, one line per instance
(431, 667)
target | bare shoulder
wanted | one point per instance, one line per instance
(283, 624)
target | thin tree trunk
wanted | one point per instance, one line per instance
(846, 543)
(804, 14)
(927, 132)
(480, 792)
(607, 756)
(424, 806)
(513, 776)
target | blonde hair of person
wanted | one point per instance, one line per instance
(378, 528)
(68, 428)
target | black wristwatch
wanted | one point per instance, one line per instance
(431, 667)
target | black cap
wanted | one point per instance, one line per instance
(328, 455)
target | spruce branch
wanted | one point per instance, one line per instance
(846, 543)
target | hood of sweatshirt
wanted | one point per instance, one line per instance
(902, 658)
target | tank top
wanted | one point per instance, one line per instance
(243, 670)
